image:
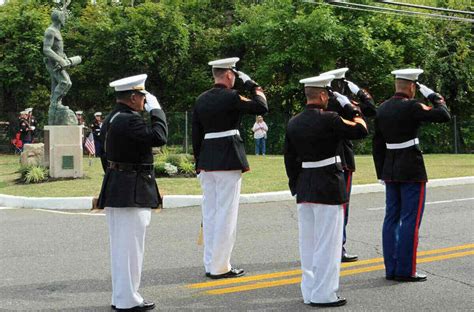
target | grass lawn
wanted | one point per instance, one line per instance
(267, 174)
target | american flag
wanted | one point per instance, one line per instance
(89, 144)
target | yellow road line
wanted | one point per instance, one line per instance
(444, 257)
(436, 251)
(297, 280)
(298, 272)
(244, 279)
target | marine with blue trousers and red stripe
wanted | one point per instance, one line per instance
(364, 101)
(316, 178)
(399, 164)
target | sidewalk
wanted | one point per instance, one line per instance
(178, 201)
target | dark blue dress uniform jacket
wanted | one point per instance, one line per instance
(367, 106)
(128, 139)
(95, 128)
(398, 120)
(314, 135)
(221, 109)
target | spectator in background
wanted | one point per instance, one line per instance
(95, 128)
(32, 124)
(80, 118)
(82, 122)
(24, 128)
(260, 129)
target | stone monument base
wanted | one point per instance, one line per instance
(63, 151)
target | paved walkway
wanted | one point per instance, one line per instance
(176, 201)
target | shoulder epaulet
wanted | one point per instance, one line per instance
(243, 98)
(424, 106)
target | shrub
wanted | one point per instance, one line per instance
(175, 159)
(170, 169)
(160, 168)
(34, 174)
(166, 164)
(175, 149)
(187, 168)
(189, 158)
(163, 154)
(23, 171)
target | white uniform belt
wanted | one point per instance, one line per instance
(321, 163)
(406, 144)
(215, 135)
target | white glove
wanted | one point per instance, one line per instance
(243, 76)
(151, 102)
(353, 87)
(342, 99)
(425, 90)
(382, 182)
(33, 128)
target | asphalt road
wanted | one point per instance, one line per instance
(58, 261)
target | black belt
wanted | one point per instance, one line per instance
(130, 167)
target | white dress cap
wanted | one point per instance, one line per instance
(339, 73)
(29, 109)
(135, 83)
(23, 112)
(97, 114)
(228, 63)
(407, 73)
(78, 112)
(321, 81)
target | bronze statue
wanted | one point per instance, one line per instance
(56, 63)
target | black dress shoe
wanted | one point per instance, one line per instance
(208, 274)
(234, 272)
(349, 258)
(339, 302)
(418, 277)
(145, 306)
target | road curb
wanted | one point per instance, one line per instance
(178, 201)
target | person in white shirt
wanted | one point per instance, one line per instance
(260, 129)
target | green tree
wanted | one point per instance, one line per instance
(22, 74)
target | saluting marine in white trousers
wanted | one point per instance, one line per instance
(220, 160)
(127, 227)
(220, 206)
(313, 166)
(320, 243)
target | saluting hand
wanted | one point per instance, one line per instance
(342, 99)
(425, 90)
(151, 102)
(353, 87)
(243, 76)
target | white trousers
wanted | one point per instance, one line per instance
(220, 205)
(320, 242)
(127, 227)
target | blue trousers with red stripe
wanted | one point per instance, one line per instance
(348, 179)
(405, 203)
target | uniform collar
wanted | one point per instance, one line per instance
(314, 106)
(399, 95)
(220, 86)
(122, 106)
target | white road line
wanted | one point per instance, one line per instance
(103, 214)
(432, 203)
(59, 212)
(72, 213)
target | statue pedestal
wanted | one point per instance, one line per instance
(63, 151)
